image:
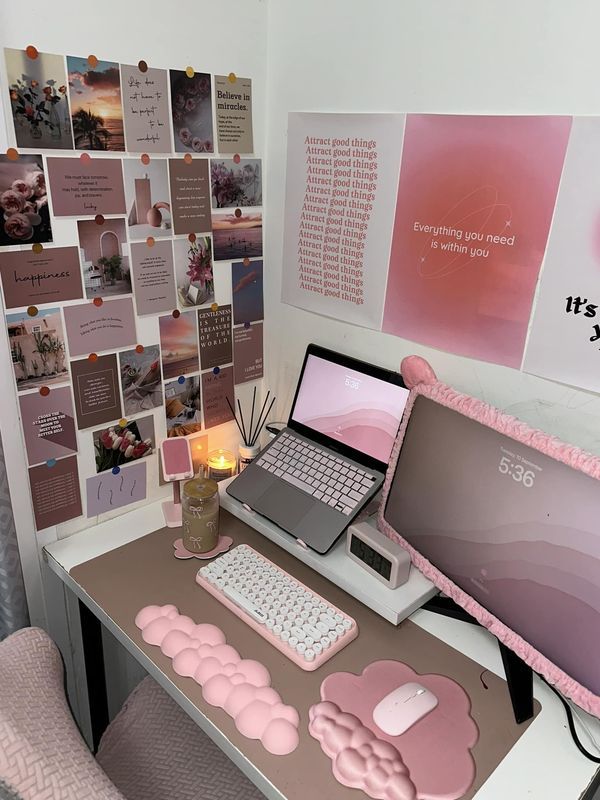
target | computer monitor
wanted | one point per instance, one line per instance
(509, 532)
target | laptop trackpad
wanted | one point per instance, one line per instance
(284, 504)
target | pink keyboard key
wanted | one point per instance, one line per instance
(297, 621)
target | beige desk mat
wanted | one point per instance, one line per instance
(145, 572)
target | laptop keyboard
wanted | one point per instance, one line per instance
(330, 479)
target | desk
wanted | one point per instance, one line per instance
(543, 765)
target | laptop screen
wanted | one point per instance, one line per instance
(349, 406)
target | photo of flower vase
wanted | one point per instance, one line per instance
(194, 271)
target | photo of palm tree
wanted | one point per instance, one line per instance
(37, 348)
(96, 109)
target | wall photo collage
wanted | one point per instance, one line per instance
(155, 171)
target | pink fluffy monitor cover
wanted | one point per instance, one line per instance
(420, 377)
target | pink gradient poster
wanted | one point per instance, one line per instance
(475, 203)
(564, 341)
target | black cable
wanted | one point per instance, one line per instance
(571, 722)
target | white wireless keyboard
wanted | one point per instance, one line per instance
(289, 615)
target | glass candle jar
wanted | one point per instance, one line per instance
(200, 515)
(221, 464)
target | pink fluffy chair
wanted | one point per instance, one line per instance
(151, 751)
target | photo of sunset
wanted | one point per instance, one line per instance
(237, 236)
(96, 110)
(178, 344)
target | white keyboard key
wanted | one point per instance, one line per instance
(317, 648)
(277, 630)
(339, 629)
(314, 631)
(285, 635)
(293, 641)
(325, 642)
(322, 627)
(298, 633)
(309, 654)
(242, 602)
(347, 624)
(301, 648)
(333, 637)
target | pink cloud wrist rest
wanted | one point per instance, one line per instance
(430, 761)
(240, 686)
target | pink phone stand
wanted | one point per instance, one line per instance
(432, 759)
(240, 686)
(222, 546)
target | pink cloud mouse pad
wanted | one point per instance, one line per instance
(431, 760)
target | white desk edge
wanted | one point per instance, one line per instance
(543, 765)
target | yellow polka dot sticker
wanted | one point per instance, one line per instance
(189, 71)
(37, 247)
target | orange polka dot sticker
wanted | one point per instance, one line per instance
(32, 311)
(93, 357)
(99, 219)
(232, 77)
(44, 391)
(191, 237)
(176, 313)
(142, 66)
(31, 52)
(85, 157)
(150, 241)
(98, 301)
(238, 212)
(145, 159)
(236, 158)
(37, 247)
(139, 349)
(12, 154)
(246, 262)
(187, 158)
(92, 62)
(214, 307)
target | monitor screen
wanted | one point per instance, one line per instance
(512, 527)
(348, 406)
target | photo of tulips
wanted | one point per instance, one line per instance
(191, 109)
(38, 100)
(24, 215)
(117, 446)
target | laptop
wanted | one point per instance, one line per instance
(318, 473)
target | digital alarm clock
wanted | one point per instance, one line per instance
(381, 557)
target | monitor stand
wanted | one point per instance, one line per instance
(519, 675)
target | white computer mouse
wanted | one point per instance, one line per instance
(400, 709)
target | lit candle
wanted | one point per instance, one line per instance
(221, 464)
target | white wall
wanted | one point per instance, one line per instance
(210, 36)
(452, 56)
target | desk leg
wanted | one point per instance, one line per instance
(93, 655)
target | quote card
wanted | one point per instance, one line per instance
(215, 391)
(86, 188)
(190, 195)
(233, 110)
(48, 424)
(341, 186)
(475, 201)
(96, 391)
(153, 278)
(146, 111)
(92, 328)
(29, 278)
(214, 337)
(106, 491)
(564, 336)
(248, 353)
(247, 291)
(55, 493)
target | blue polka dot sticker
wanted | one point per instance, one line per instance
(216, 370)
(51, 462)
(181, 379)
(116, 470)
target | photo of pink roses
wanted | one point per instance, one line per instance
(191, 109)
(24, 213)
